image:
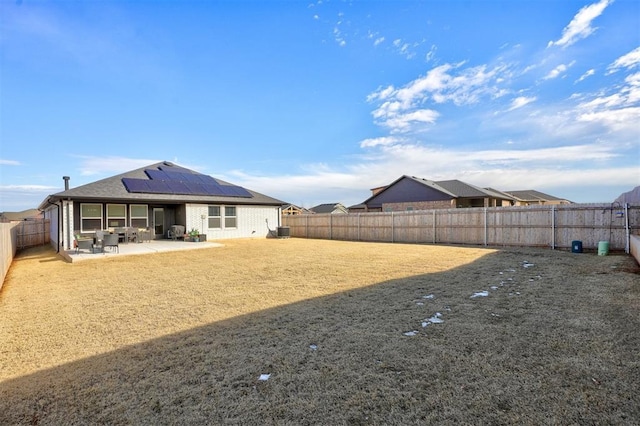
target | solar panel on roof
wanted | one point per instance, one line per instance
(135, 185)
(158, 187)
(214, 190)
(177, 187)
(237, 191)
(182, 183)
(156, 174)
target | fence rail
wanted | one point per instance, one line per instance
(531, 226)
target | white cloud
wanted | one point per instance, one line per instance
(615, 119)
(521, 101)
(27, 188)
(588, 73)
(580, 26)
(378, 41)
(406, 122)
(630, 60)
(558, 71)
(9, 162)
(400, 109)
(618, 111)
(382, 141)
(431, 54)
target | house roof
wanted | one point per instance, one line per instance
(114, 188)
(532, 195)
(17, 216)
(327, 208)
(465, 190)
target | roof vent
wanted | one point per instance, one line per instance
(66, 182)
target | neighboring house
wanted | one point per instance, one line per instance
(30, 214)
(412, 193)
(292, 210)
(531, 197)
(333, 208)
(156, 197)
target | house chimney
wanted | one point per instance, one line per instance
(66, 182)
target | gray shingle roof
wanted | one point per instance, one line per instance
(326, 208)
(112, 189)
(532, 195)
(462, 189)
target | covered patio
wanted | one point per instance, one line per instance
(132, 248)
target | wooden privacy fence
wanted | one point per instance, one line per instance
(32, 233)
(532, 226)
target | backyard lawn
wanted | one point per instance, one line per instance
(308, 332)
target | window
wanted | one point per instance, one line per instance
(139, 215)
(214, 217)
(90, 217)
(409, 209)
(229, 217)
(222, 216)
(116, 215)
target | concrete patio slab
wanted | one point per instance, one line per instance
(153, 246)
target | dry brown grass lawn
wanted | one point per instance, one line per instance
(182, 337)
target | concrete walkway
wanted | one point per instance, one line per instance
(153, 246)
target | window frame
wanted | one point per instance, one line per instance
(120, 219)
(91, 218)
(233, 217)
(226, 217)
(145, 217)
(214, 217)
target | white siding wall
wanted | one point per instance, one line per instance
(54, 236)
(251, 221)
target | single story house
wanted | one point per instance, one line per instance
(155, 198)
(413, 193)
(333, 208)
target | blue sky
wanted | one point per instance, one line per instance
(317, 102)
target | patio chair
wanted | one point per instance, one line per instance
(176, 231)
(132, 235)
(111, 241)
(97, 242)
(82, 243)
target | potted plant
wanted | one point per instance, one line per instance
(195, 235)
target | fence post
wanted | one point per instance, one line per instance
(330, 226)
(553, 227)
(627, 240)
(358, 226)
(485, 227)
(434, 226)
(392, 232)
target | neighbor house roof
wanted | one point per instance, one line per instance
(18, 216)
(114, 188)
(531, 195)
(328, 208)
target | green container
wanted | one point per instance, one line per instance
(603, 248)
